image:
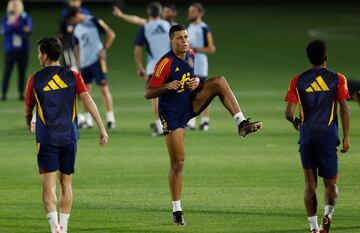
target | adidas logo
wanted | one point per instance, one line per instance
(55, 83)
(177, 69)
(318, 85)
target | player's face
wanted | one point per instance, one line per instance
(169, 14)
(15, 6)
(75, 3)
(42, 58)
(193, 13)
(180, 41)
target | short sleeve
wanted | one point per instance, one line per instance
(79, 83)
(140, 37)
(291, 95)
(30, 100)
(161, 72)
(342, 90)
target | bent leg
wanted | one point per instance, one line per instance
(212, 87)
(175, 145)
(330, 195)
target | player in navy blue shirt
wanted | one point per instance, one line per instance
(16, 26)
(319, 91)
(54, 91)
(181, 97)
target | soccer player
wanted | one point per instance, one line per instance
(54, 90)
(354, 90)
(66, 34)
(154, 35)
(319, 91)
(92, 56)
(202, 43)
(180, 99)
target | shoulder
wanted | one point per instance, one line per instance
(340, 75)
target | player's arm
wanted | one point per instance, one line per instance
(154, 92)
(292, 100)
(133, 19)
(345, 122)
(210, 48)
(29, 102)
(140, 70)
(109, 38)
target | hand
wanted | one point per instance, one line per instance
(102, 54)
(142, 73)
(33, 127)
(174, 85)
(69, 29)
(193, 83)
(117, 12)
(26, 29)
(296, 123)
(346, 145)
(103, 137)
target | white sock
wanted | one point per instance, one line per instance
(192, 122)
(176, 206)
(64, 218)
(204, 119)
(329, 210)
(159, 126)
(239, 117)
(110, 116)
(53, 221)
(88, 118)
(313, 223)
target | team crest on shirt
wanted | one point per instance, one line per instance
(191, 62)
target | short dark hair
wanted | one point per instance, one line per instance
(154, 9)
(71, 12)
(316, 52)
(171, 6)
(198, 6)
(51, 46)
(176, 28)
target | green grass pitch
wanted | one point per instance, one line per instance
(231, 184)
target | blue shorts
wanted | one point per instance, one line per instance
(95, 71)
(321, 157)
(52, 158)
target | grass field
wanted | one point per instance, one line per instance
(231, 184)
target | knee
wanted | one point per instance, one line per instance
(219, 82)
(177, 167)
(65, 186)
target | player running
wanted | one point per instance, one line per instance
(92, 56)
(54, 90)
(180, 99)
(202, 43)
(318, 92)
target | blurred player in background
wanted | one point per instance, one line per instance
(354, 90)
(182, 97)
(91, 52)
(16, 26)
(154, 35)
(54, 90)
(66, 34)
(202, 43)
(318, 92)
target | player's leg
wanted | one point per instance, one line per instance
(49, 199)
(218, 86)
(330, 196)
(157, 126)
(66, 167)
(9, 65)
(109, 107)
(205, 119)
(87, 115)
(175, 145)
(310, 199)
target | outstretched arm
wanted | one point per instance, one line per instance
(91, 106)
(154, 92)
(133, 19)
(138, 62)
(210, 48)
(345, 122)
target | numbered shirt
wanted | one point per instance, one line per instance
(155, 36)
(54, 90)
(317, 91)
(88, 36)
(168, 69)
